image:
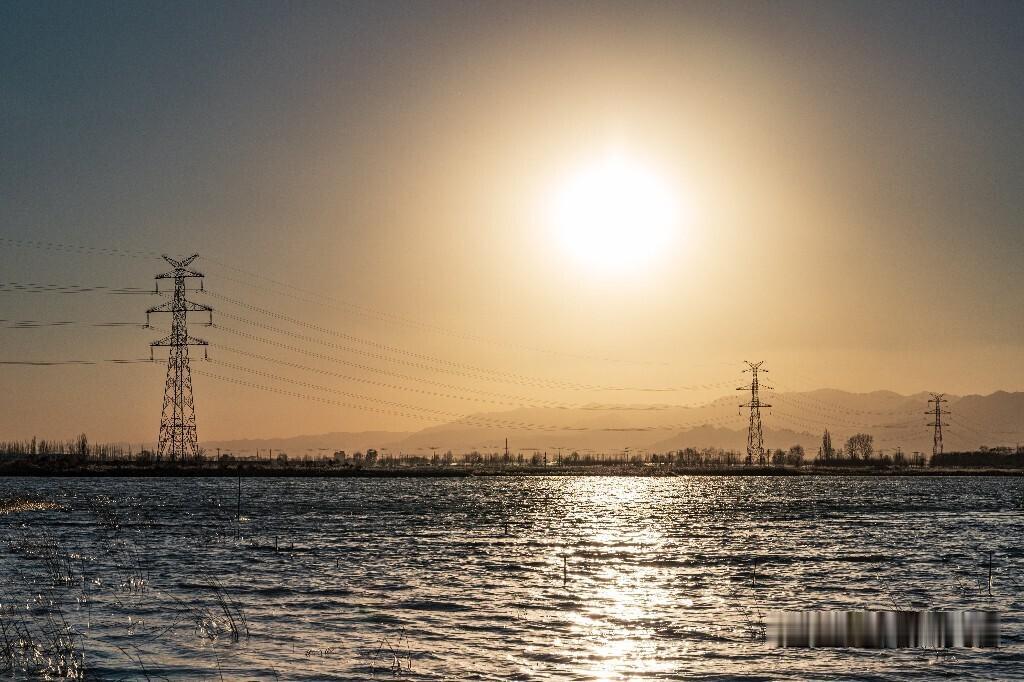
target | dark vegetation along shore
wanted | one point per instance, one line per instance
(74, 466)
(79, 457)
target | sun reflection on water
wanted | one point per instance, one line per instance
(620, 595)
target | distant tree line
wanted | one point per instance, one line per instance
(857, 451)
(994, 458)
(79, 447)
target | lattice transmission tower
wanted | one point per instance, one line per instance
(178, 438)
(937, 413)
(755, 438)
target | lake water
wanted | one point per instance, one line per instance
(501, 578)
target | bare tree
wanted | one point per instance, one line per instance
(860, 446)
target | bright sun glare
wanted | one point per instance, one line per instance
(614, 214)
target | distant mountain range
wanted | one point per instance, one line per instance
(326, 442)
(796, 417)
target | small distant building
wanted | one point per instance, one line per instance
(282, 458)
(340, 456)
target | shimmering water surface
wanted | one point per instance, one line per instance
(504, 578)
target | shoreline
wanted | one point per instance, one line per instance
(626, 471)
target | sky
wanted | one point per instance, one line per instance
(847, 181)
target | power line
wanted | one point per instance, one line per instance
(361, 309)
(38, 288)
(537, 383)
(508, 400)
(321, 299)
(796, 396)
(817, 423)
(457, 369)
(329, 401)
(459, 417)
(989, 428)
(490, 397)
(448, 415)
(37, 324)
(468, 420)
(984, 434)
(77, 289)
(76, 248)
(830, 414)
(58, 363)
(387, 347)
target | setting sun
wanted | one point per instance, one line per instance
(614, 214)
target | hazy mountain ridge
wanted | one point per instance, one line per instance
(794, 417)
(338, 440)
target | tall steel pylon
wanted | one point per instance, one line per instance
(936, 413)
(178, 438)
(755, 439)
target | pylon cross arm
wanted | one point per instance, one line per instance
(192, 307)
(187, 306)
(189, 341)
(183, 263)
(180, 272)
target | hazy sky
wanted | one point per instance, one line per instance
(852, 176)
